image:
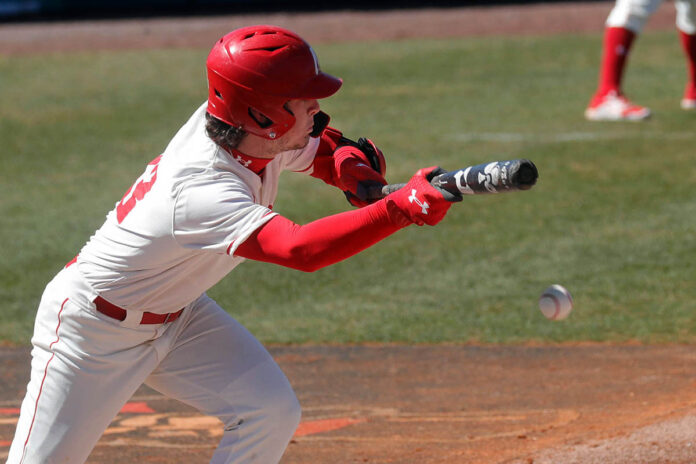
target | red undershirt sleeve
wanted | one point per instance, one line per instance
(320, 243)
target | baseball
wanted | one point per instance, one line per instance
(556, 303)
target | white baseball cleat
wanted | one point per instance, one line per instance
(688, 103)
(615, 107)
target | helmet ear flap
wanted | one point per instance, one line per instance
(271, 122)
(261, 119)
(216, 102)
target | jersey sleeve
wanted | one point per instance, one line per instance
(216, 215)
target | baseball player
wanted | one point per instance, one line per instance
(131, 308)
(624, 23)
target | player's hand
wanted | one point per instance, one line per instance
(418, 202)
(358, 167)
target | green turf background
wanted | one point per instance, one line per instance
(612, 217)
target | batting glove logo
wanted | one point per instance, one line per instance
(414, 199)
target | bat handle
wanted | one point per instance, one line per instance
(375, 192)
(390, 188)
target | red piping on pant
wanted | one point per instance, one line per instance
(36, 405)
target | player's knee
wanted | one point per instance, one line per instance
(261, 402)
(686, 16)
(263, 432)
(632, 15)
(278, 415)
(633, 23)
(285, 413)
(275, 402)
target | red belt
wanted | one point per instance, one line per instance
(114, 311)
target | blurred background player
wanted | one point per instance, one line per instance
(623, 25)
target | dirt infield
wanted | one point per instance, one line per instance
(409, 404)
(436, 404)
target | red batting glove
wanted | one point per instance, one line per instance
(418, 202)
(359, 168)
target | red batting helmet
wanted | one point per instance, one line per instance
(263, 67)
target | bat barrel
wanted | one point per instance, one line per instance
(494, 177)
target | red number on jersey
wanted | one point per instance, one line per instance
(138, 190)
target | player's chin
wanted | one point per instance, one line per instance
(299, 144)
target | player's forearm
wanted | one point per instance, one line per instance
(320, 243)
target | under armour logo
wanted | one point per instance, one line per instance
(242, 161)
(414, 199)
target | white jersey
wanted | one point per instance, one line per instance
(174, 233)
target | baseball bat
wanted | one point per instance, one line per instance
(493, 177)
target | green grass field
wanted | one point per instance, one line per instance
(612, 218)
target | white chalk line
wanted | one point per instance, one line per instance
(561, 137)
(158, 429)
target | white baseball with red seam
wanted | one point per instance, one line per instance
(556, 303)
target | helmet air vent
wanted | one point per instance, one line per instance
(269, 49)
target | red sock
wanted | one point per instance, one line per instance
(688, 42)
(617, 44)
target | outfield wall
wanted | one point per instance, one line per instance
(14, 10)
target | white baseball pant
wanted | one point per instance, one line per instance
(86, 366)
(633, 14)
